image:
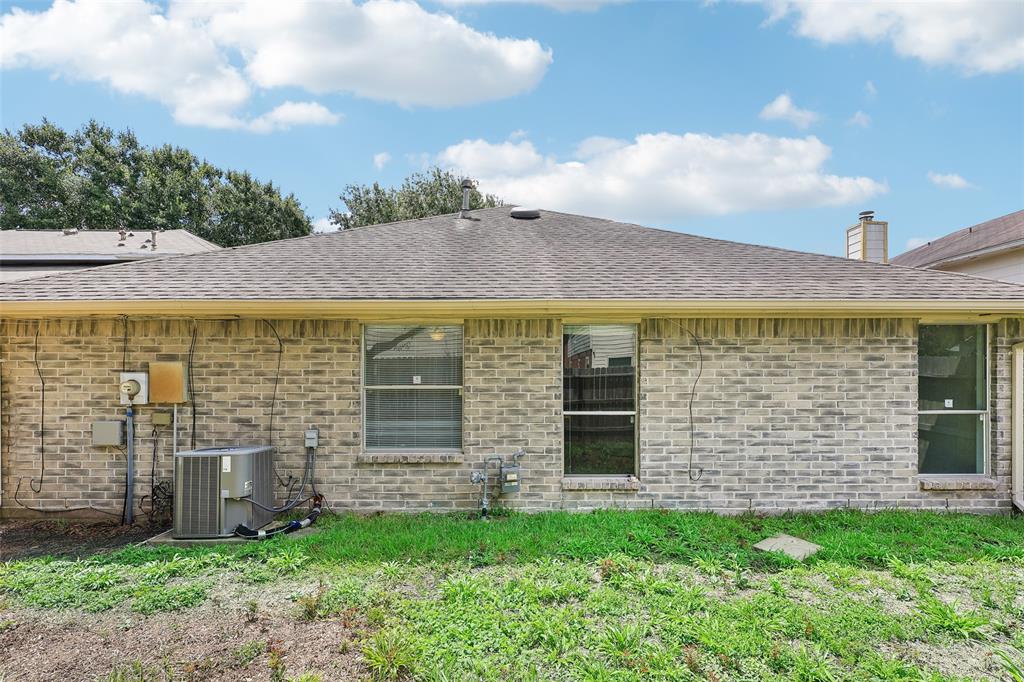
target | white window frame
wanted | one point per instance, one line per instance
(635, 413)
(984, 415)
(364, 388)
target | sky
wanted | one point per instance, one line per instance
(765, 121)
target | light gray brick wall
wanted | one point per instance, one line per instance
(789, 414)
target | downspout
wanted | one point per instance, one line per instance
(1017, 425)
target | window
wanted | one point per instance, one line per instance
(412, 379)
(952, 394)
(599, 399)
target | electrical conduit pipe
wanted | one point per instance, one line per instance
(1017, 425)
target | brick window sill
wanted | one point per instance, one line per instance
(409, 458)
(614, 483)
(957, 483)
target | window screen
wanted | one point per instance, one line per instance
(599, 399)
(412, 379)
(952, 399)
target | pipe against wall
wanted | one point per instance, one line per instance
(1017, 425)
(130, 490)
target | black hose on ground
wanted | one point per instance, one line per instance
(244, 531)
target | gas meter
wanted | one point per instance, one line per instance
(509, 477)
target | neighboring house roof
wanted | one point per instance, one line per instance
(493, 257)
(94, 246)
(987, 238)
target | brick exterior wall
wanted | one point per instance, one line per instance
(788, 414)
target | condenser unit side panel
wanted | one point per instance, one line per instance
(263, 488)
(197, 508)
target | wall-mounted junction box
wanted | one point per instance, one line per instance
(108, 433)
(142, 397)
(161, 418)
(312, 438)
(167, 384)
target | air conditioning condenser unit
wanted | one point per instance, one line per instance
(214, 489)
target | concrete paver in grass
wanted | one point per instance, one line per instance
(792, 547)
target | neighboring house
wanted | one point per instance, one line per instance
(33, 253)
(993, 249)
(420, 348)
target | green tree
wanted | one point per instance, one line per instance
(99, 179)
(246, 211)
(421, 195)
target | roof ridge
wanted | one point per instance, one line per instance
(732, 242)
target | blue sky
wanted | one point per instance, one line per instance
(771, 122)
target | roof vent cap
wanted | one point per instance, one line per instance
(524, 213)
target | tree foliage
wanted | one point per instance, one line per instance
(421, 195)
(99, 179)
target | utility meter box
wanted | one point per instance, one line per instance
(108, 433)
(509, 478)
(140, 398)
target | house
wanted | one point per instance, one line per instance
(636, 367)
(994, 248)
(34, 253)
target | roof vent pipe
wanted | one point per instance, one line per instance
(153, 237)
(467, 186)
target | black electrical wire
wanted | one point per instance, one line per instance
(160, 494)
(290, 502)
(191, 380)
(42, 449)
(318, 503)
(65, 510)
(689, 405)
(124, 346)
(42, 416)
(273, 404)
(152, 481)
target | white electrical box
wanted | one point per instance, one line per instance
(142, 397)
(108, 433)
(312, 438)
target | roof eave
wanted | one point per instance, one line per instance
(477, 308)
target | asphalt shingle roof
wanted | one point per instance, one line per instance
(991, 234)
(54, 243)
(494, 256)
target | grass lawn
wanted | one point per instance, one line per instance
(611, 595)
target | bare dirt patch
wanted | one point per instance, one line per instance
(212, 642)
(23, 539)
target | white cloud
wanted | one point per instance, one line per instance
(948, 180)
(978, 36)
(324, 225)
(380, 160)
(870, 90)
(560, 5)
(782, 108)
(663, 177)
(860, 119)
(292, 114)
(205, 60)
(915, 242)
(488, 160)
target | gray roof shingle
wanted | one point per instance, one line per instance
(494, 256)
(1006, 231)
(43, 244)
